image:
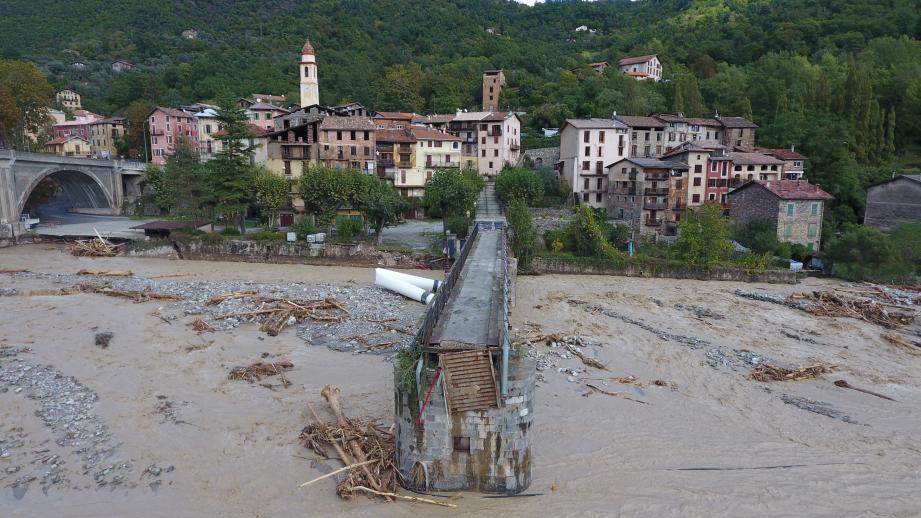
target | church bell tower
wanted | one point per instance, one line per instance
(310, 83)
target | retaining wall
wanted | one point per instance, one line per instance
(328, 254)
(543, 264)
(499, 456)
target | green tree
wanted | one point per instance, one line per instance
(588, 234)
(865, 253)
(399, 88)
(382, 205)
(325, 190)
(232, 174)
(519, 183)
(760, 235)
(703, 238)
(452, 192)
(159, 190)
(272, 192)
(25, 97)
(185, 183)
(907, 239)
(523, 233)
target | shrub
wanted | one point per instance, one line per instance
(563, 237)
(524, 236)
(458, 225)
(304, 228)
(230, 231)
(268, 236)
(211, 238)
(798, 252)
(865, 253)
(589, 235)
(349, 229)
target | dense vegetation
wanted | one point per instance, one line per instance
(841, 79)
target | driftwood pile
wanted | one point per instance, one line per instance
(98, 247)
(257, 371)
(106, 273)
(278, 313)
(365, 450)
(145, 295)
(768, 372)
(835, 304)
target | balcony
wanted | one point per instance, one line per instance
(440, 163)
(628, 191)
(404, 164)
(656, 177)
(654, 205)
(514, 146)
(385, 162)
(655, 191)
(653, 222)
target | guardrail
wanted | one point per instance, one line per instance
(441, 298)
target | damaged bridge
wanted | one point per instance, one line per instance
(466, 423)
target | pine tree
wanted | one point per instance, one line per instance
(890, 133)
(232, 175)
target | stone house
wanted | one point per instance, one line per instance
(493, 81)
(892, 201)
(738, 132)
(795, 207)
(680, 129)
(122, 66)
(348, 143)
(291, 148)
(392, 120)
(587, 146)
(69, 99)
(708, 170)
(754, 166)
(396, 157)
(648, 193)
(466, 125)
(642, 67)
(647, 136)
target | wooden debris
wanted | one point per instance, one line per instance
(217, 299)
(768, 372)
(833, 304)
(277, 312)
(404, 497)
(615, 394)
(364, 449)
(591, 362)
(201, 326)
(914, 346)
(137, 296)
(259, 370)
(844, 384)
(106, 273)
(13, 270)
(98, 247)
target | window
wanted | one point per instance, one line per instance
(367, 136)
(584, 196)
(585, 165)
(402, 176)
(695, 198)
(353, 150)
(287, 168)
(351, 135)
(788, 230)
(588, 151)
(495, 152)
(601, 137)
(598, 197)
(711, 196)
(483, 153)
(697, 181)
(585, 184)
(367, 151)
(814, 210)
(338, 135)
(490, 165)
(599, 184)
(646, 151)
(600, 151)
(791, 208)
(813, 230)
(585, 136)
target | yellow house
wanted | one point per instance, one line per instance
(104, 133)
(69, 145)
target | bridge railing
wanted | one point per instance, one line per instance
(434, 311)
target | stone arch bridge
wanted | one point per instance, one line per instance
(93, 186)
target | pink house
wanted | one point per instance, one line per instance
(167, 127)
(262, 114)
(78, 127)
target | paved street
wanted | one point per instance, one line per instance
(57, 221)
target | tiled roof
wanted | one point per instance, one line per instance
(737, 122)
(781, 153)
(595, 123)
(308, 48)
(792, 189)
(655, 163)
(394, 115)
(433, 119)
(599, 64)
(430, 134)
(702, 122)
(65, 138)
(754, 159)
(498, 116)
(469, 116)
(266, 106)
(394, 135)
(640, 122)
(256, 131)
(635, 60)
(636, 73)
(171, 111)
(347, 123)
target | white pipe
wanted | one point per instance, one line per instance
(404, 288)
(422, 282)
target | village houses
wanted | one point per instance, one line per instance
(648, 193)
(642, 68)
(587, 147)
(894, 201)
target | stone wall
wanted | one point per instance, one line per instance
(431, 455)
(563, 265)
(328, 254)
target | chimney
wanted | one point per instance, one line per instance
(792, 147)
(614, 115)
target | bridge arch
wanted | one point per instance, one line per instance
(82, 188)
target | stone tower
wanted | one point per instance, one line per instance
(493, 81)
(310, 83)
